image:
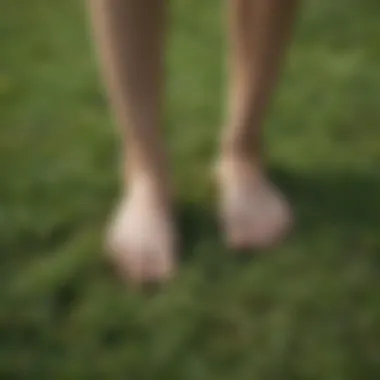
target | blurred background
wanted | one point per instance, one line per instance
(309, 309)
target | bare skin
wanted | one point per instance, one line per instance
(129, 39)
(253, 211)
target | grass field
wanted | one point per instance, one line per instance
(307, 310)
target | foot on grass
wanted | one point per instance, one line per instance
(253, 212)
(141, 238)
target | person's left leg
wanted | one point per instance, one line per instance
(254, 213)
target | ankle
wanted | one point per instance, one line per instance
(150, 187)
(231, 158)
(236, 167)
(239, 152)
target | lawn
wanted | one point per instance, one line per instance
(308, 310)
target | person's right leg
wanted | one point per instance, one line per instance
(129, 39)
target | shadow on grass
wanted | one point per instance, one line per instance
(347, 201)
(345, 204)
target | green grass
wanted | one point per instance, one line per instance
(308, 310)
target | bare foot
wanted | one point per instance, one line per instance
(254, 213)
(142, 238)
